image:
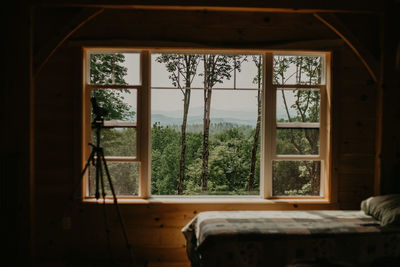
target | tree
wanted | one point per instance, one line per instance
(216, 69)
(257, 80)
(107, 69)
(301, 140)
(181, 67)
(165, 155)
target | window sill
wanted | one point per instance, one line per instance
(216, 201)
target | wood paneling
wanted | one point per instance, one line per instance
(155, 228)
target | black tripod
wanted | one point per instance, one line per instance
(97, 159)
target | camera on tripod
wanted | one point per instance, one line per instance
(99, 113)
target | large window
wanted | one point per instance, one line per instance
(183, 123)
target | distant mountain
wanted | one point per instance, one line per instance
(195, 116)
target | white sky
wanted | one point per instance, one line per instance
(171, 99)
(166, 99)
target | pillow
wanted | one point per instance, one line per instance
(385, 208)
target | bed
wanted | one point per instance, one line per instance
(286, 238)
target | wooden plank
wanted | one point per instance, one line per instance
(357, 6)
(332, 22)
(169, 264)
(362, 182)
(51, 47)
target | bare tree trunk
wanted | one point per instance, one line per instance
(206, 134)
(186, 102)
(250, 179)
(315, 179)
(206, 125)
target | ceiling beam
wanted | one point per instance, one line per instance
(336, 25)
(292, 6)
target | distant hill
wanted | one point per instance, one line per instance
(165, 120)
(195, 116)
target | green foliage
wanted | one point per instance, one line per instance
(107, 69)
(228, 166)
(182, 67)
(218, 68)
(229, 145)
(298, 177)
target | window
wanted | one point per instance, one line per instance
(179, 123)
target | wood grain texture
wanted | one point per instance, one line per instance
(155, 228)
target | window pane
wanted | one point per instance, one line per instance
(297, 141)
(296, 178)
(298, 105)
(115, 68)
(170, 70)
(117, 141)
(229, 136)
(124, 177)
(116, 104)
(298, 70)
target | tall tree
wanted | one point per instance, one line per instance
(306, 106)
(257, 80)
(217, 68)
(182, 68)
(109, 69)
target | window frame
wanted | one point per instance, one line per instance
(268, 125)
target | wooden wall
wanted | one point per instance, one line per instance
(154, 228)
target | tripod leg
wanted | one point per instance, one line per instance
(106, 225)
(121, 221)
(98, 170)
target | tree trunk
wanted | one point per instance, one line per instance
(206, 134)
(186, 102)
(250, 180)
(315, 179)
(206, 126)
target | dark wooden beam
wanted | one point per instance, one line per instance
(223, 5)
(336, 25)
(47, 50)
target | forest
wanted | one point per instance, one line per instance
(214, 158)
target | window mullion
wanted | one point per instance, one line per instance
(269, 124)
(144, 126)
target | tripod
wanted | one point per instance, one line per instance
(97, 159)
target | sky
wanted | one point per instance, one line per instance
(168, 100)
(171, 99)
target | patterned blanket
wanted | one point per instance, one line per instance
(246, 238)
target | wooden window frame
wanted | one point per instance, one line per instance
(268, 127)
(269, 131)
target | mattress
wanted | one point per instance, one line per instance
(281, 238)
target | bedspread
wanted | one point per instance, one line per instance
(278, 238)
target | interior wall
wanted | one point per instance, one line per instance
(154, 228)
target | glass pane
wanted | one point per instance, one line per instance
(296, 178)
(124, 178)
(116, 104)
(298, 70)
(297, 141)
(177, 70)
(115, 68)
(187, 70)
(231, 141)
(231, 167)
(117, 141)
(298, 105)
